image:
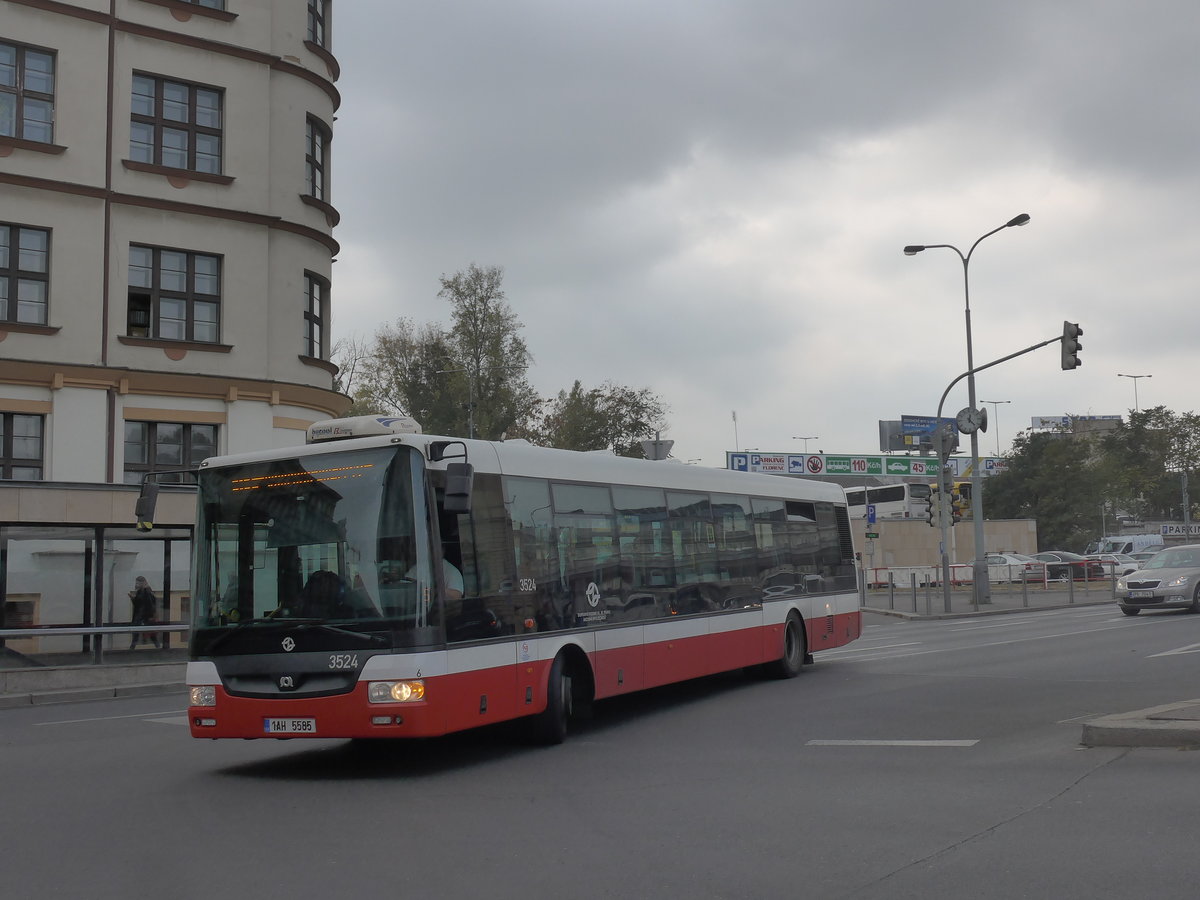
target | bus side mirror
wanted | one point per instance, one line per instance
(459, 477)
(146, 501)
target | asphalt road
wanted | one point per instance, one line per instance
(931, 759)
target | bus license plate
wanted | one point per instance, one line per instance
(290, 726)
(1140, 595)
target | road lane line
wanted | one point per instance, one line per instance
(857, 649)
(891, 743)
(968, 648)
(108, 718)
(1178, 651)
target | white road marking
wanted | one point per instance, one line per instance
(870, 649)
(891, 743)
(968, 648)
(152, 716)
(1178, 651)
(171, 720)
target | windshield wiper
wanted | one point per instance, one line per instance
(317, 623)
(264, 620)
(298, 624)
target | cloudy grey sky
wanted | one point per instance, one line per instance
(710, 198)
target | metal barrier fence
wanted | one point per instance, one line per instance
(908, 585)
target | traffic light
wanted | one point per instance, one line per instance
(1071, 346)
(957, 505)
(931, 509)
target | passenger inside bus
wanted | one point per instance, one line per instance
(325, 596)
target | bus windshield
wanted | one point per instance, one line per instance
(336, 537)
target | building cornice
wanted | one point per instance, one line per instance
(99, 193)
(123, 381)
(277, 63)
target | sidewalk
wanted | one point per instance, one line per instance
(65, 684)
(1174, 725)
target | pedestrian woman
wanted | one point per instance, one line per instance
(145, 611)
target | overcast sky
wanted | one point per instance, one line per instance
(710, 199)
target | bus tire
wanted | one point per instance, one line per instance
(549, 727)
(791, 661)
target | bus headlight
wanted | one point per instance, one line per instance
(203, 695)
(396, 691)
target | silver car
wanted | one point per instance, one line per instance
(1168, 580)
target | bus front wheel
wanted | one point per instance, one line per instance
(792, 661)
(550, 725)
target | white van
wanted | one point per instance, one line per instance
(1131, 543)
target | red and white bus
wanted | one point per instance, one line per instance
(405, 585)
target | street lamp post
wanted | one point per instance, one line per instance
(980, 585)
(1135, 381)
(996, 419)
(811, 437)
(471, 376)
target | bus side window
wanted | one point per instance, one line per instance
(527, 506)
(479, 541)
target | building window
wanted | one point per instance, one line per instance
(161, 446)
(315, 149)
(24, 274)
(20, 447)
(176, 124)
(174, 295)
(316, 295)
(211, 4)
(318, 22)
(26, 93)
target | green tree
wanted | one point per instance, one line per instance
(1055, 479)
(487, 353)
(351, 355)
(611, 416)
(1143, 459)
(404, 373)
(471, 377)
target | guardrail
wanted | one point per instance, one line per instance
(910, 580)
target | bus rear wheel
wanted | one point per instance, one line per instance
(550, 725)
(792, 661)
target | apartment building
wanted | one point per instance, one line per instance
(166, 250)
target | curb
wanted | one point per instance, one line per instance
(971, 613)
(76, 695)
(1170, 725)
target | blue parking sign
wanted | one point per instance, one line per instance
(871, 513)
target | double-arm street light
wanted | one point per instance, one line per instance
(806, 439)
(996, 419)
(980, 572)
(1135, 381)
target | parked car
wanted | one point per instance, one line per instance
(1062, 564)
(1121, 563)
(1014, 567)
(1170, 580)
